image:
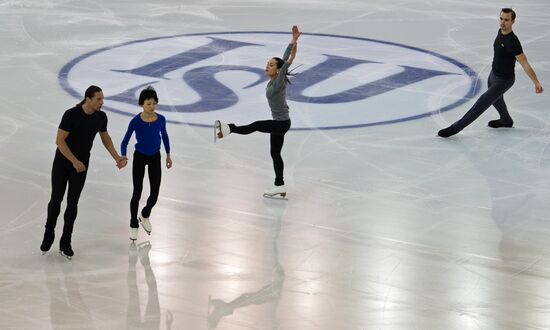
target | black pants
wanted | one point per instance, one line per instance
(493, 96)
(138, 172)
(63, 172)
(277, 130)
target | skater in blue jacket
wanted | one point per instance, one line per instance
(150, 129)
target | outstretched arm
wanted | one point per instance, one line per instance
(522, 59)
(294, 42)
(121, 161)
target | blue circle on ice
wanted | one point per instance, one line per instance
(342, 81)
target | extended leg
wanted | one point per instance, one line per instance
(497, 87)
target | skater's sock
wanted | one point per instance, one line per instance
(446, 132)
(501, 123)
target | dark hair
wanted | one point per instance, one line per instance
(90, 93)
(508, 11)
(280, 63)
(148, 93)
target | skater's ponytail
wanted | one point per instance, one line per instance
(90, 93)
(280, 63)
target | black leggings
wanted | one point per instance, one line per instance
(138, 173)
(493, 96)
(63, 172)
(277, 130)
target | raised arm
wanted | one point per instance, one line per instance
(294, 42)
(522, 59)
(288, 57)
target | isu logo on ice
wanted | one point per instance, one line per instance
(341, 82)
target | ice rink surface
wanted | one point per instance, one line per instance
(386, 226)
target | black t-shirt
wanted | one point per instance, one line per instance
(82, 130)
(506, 47)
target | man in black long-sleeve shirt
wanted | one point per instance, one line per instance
(507, 49)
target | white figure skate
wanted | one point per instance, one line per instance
(145, 224)
(221, 130)
(133, 233)
(277, 192)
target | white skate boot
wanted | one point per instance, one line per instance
(278, 192)
(145, 224)
(221, 130)
(133, 233)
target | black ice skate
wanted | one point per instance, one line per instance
(448, 132)
(47, 242)
(66, 251)
(500, 123)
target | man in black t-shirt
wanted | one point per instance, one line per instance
(507, 50)
(75, 137)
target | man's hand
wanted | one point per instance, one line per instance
(79, 166)
(121, 162)
(538, 88)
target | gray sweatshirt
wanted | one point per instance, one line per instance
(276, 91)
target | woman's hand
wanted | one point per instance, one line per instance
(295, 34)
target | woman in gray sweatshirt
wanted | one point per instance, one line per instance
(277, 70)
